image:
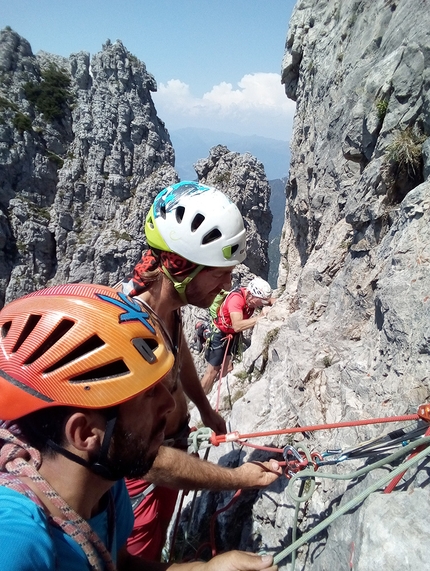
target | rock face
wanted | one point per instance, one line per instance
(348, 338)
(242, 177)
(82, 155)
(76, 181)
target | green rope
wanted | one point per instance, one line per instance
(358, 499)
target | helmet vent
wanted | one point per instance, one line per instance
(115, 369)
(146, 348)
(179, 213)
(163, 210)
(5, 328)
(30, 324)
(62, 328)
(86, 347)
(197, 222)
(213, 235)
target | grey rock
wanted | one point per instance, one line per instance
(75, 189)
(348, 337)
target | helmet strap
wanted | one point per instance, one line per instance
(180, 287)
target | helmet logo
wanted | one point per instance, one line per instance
(133, 310)
(168, 198)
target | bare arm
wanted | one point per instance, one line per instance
(176, 469)
(231, 561)
(239, 324)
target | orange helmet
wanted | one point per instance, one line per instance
(80, 345)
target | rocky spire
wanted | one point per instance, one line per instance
(83, 153)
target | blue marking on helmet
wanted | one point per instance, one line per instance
(170, 196)
(133, 310)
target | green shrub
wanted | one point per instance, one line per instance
(222, 178)
(52, 95)
(22, 122)
(55, 159)
(381, 108)
(6, 104)
(405, 151)
(122, 235)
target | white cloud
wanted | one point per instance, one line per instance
(257, 106)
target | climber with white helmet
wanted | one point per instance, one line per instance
(86, 385)
(196, 236)
(234, 315)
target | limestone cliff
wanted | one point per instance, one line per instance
(82, 155)
(348, 338)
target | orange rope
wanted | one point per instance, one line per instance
(234, 436)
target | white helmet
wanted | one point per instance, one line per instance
(199, 223)
(259, 288)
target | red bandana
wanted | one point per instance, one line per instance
(176, 265)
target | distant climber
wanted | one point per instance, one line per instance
(234, 315)
(201, 334)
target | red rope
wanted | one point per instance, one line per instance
(234, 436)
(211, 543)
(265, 448)
(213, 520)
(397, 479)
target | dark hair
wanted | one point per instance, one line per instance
(48, 424)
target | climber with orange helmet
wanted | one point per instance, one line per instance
(85, 388)
(234, 315)
(196, 236)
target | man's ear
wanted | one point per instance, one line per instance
(84, 430)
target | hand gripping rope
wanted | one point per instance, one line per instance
(302, 465)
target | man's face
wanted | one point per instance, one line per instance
(139, 430)
(253, 301)
(207, 284)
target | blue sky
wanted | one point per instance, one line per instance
(216, 62)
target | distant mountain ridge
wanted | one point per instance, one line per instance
(191, 144)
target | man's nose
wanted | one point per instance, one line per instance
(166, 400)
(226, 282)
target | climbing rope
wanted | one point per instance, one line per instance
(302, 465)
(19, 460)
(360, 497)
(236, 436)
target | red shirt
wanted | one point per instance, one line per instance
(235, 302)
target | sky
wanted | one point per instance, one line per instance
(217, 63)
